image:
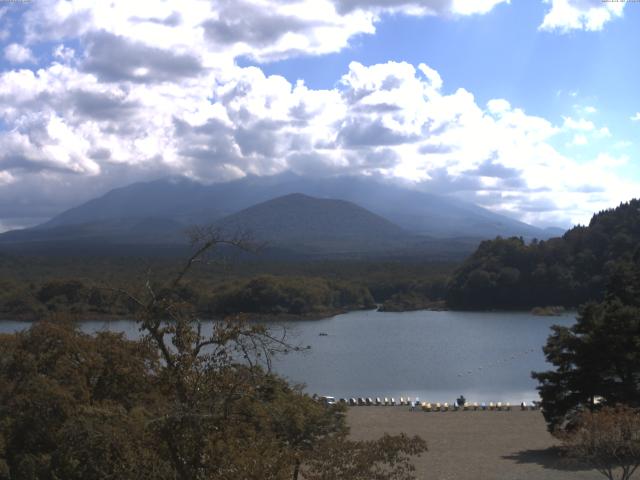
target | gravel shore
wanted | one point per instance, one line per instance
(505, 445)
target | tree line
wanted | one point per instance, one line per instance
(568, 271)
(286, 293)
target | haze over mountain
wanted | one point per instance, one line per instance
(347, 214)
(188, 202)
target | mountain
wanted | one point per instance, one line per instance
(158, 212)
(313, 225)
(188, 202)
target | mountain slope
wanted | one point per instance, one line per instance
(310, 224)
(109, 231)
(188, 202)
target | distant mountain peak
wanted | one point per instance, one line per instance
(304, 222)
(358, 202)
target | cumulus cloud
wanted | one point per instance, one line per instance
(580, 124)
(145, 92)
(567, 15)
(636, 117)
(211, 31)
(583, 131)
(16, 53)
(392, 120)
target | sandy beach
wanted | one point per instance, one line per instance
(504, 445)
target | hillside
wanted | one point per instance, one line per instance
(310, 224)
(509, 273)
(149, 230)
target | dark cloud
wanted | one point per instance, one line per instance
(300, 114)
(537, 205)
(113, 58)
(242, 22)
(172, 20)
(435, 149)
(443, 182)
(209, 148)
(346, 6)
(377, 108)
(513, 183)
(357, 133)
(468, 182)
(391, 83)
(354, 95)
(260, 138)
(18, 162)
(491, 168)
(100, 154)
(101, 106)
(373, 159)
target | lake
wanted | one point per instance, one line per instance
(486, 356)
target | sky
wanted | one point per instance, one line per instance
(530, 108)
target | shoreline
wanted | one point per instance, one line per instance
(277, 317)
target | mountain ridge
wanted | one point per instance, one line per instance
(158, 212)
(188, 201)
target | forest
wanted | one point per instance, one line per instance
(508, 273)
(85, 287)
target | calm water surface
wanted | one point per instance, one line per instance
(437, 356)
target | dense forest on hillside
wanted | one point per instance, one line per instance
(568, 271)
(83, 286)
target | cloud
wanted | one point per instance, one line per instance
(579, 140)
(172, 20)
(583, 130)
(567, 15)
(133, 92)
(263, 30)
(16, 53)
(241, 22)
(392, 120)
(489, 168)
(580, 124)
(636, 117)
(421, 7)
(115, 58)
(212, 32)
